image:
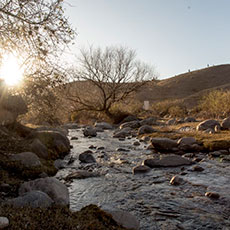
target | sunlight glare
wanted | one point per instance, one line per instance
(10, 71)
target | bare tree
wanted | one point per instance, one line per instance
(105, 77)
(37, 32)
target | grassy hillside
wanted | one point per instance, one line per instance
(188, 86)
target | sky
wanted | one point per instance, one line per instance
(173, 36)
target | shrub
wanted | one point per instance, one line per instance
(215, 104)
(173, 108)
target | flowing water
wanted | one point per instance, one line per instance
(149, 197)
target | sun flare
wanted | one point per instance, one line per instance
(10, 70)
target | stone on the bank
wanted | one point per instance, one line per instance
(129, 118)
(207, 124)
(145, 129)
(27, 159)
(4, 222)
(56, 142)
(89, 131)
(86, 157)
(141, 169)
(167, 161)
(162, 143)
(103, 125)
(189, 119)
(125, 219)
(39, 149)
(172, 122)
(225, 124)
(34, 199)
(187, 141)
(56, 190)
(130, 124)
(149, 121)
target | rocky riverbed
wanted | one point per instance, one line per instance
(198, 197)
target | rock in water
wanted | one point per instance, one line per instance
(86, 157)
(141, 169)
(163, 143)
(89, 132)
(167, 161)
(176, 180)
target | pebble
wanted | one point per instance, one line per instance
(140, 169)
(122, 150)
(4, 222)
(136, 143)
(176, 180)
(198, 168)
(213, 195)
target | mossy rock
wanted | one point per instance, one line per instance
(212, 145)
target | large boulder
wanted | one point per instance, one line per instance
(10, 107)
(207, 124)
(56, 190)
(167, 161)
(103, 125)
(26, 159)
(162, 143)
(7, 117)
(145, 129)
(34, 199)
(225, 124)
(14, 104)
(57, 143)
(39, 149)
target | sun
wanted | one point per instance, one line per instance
(10, 70)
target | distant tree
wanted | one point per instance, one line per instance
(106, 77)
(37, 32)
